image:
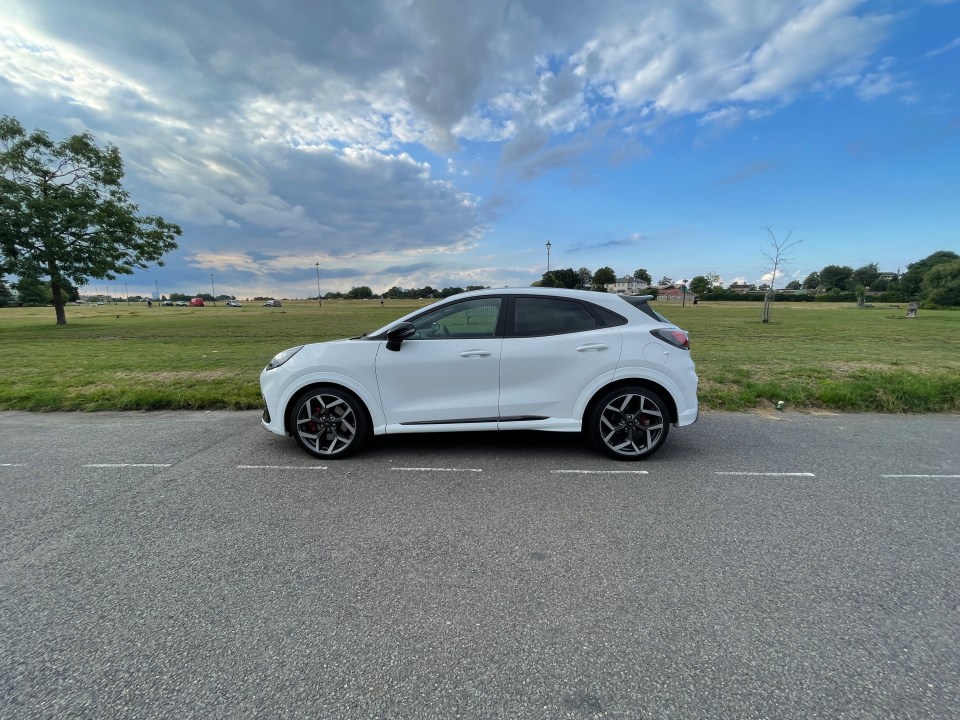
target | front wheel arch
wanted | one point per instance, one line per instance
(360, 430)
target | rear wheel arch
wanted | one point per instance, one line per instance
(633, 382)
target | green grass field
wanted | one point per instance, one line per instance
(120, 357)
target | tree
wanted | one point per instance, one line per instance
(31, 291)
(793, 285)
(941, 284)
(699, 285)
(6, 297)
(812, 281)
(912, 280)
(866, 275)
(665, 280)
(836, 277)
(64, 213)
(585, 278)
(602, 277)
(642, 274)
(776, 256)
(360, 293)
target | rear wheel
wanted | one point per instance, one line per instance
(629, 423)
(330, 422)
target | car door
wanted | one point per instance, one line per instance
(554, 348)
(449, 371)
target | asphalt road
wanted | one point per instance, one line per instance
(192, 565)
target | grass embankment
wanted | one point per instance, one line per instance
(120, 357)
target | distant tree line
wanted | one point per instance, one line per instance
(933, 281)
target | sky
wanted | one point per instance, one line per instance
(341, 143)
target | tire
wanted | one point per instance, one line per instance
(629, 423)
(329, 422)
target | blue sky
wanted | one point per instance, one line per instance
(442, 143)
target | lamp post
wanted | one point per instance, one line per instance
(319, 302)
(213, 291)
(127, 291)
(156, 284)
(548, 257)
(684, 288)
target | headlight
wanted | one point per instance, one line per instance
(281, 357)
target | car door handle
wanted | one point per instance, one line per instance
(593, 347)
(475, 353)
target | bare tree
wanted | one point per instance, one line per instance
(777, 258)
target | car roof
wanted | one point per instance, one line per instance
(611, 301)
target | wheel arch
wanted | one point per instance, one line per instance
(651, 385)
(291, 401)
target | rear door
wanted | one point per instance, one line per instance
(554, 348)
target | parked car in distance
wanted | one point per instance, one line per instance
(605, 365)
(167, 303)
(182, 303)
(233, 303)
(196, 302)
(272, 303)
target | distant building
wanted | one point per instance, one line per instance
(672, 292)
(627, 285)
(739, 287)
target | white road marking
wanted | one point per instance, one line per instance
(12, 465)
(600, 472)
(127, 465)
(281, 467)
(768, 474)
(436, 469)
(920, 476)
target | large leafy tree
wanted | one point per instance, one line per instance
(64, 213)
(604, 276)
(642, 274)
(911, 282)
(941, 284)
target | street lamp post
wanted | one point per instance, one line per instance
(127, 290)
(684, 288)
(213, 291)
(156, 284)
(319, 302)
(548, 257)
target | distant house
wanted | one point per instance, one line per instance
(627, 285)
(672, 292)
(888, 276)
(739, 287)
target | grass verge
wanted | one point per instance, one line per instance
(121, 357)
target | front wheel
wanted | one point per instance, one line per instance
(629, 423)
(330, 422)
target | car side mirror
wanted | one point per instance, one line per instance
(400, 333)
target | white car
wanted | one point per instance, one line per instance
(496, 359)
(233, 303)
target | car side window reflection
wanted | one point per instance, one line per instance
(467, 319)
(534, 317)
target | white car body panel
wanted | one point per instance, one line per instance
(428, 381)
(537, 373)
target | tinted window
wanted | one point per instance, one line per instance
(551, 316)
(467, 319)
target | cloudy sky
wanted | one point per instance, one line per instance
(445, 142)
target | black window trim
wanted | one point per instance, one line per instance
(509, 332)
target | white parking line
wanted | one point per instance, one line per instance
(920, 476)
(600, 472)
(281, 467)
(127, 465)
(12, 465)
(436, 469)
(768, 474)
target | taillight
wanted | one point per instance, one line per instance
(673, 336)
